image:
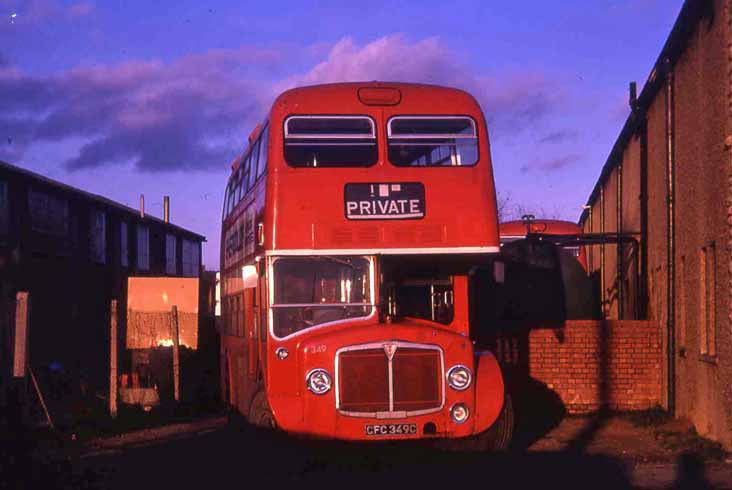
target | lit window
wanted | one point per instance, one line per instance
(708, 334)
(4, 208)
(97, 237)
(190, 258)
(170, 242)
(49, 214)
(124, 256)
(143, 248)
(217, 308)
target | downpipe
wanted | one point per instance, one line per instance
(670, 243)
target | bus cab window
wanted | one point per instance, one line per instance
(330, 141)
(429, 141)
(313, 291)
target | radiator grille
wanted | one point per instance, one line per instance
(370, 384)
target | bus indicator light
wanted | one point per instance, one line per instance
(379, 96)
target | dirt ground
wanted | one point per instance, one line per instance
(628, 439)
(638, 451)
(657, 452)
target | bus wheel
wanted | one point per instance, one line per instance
(498, 436)
(260, 415)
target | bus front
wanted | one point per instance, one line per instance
(380, 210)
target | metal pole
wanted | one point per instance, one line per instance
(602, 252)
(671, 246)
(176, 358)
(620, 269)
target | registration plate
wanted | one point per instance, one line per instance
(390, 429)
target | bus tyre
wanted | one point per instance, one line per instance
(498, 436)
(260, 415)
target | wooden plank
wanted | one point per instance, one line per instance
(113, 346)
(176, 354)
(20, 353)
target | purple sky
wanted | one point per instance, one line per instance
(122, 98)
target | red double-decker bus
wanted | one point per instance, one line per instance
(353, 226)
(519, 229)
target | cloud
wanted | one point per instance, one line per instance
(184, 115)
(193, 113)
(80, 9)
(552, 164)
(512, 102)
(559, 136)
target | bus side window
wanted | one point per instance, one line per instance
(248, 314)
(252, 167)
(263, 150)
(227, 316)
(232, 196)
(242, 315)
(227, 208)
(240, 185)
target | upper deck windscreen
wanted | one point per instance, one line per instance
(429, 141)
(330, 141)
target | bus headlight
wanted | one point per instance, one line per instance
(459, 413)
(459, 377)
(319, 381)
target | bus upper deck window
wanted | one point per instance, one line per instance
(432, 141)
(330, 141)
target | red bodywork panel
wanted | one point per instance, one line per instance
(548, 226)
(460, 201)
(297, 410)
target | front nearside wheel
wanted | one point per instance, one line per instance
(260, 414)
(498, 436)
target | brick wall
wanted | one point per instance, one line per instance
(586, 362)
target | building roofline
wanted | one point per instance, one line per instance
(95, 197)
(691, 12)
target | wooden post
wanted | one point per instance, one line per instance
(113, 346)
(176, 358)
(20, 354)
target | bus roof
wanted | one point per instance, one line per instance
(550, 226)
(347, 88)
